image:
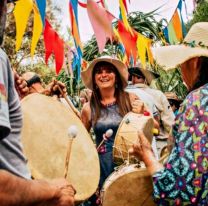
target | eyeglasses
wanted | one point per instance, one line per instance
(10, 7)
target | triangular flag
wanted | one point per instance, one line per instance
(22, 12)
(171, 34)
(37, 29)
(42, 7)
(177, 26)
(128, 40)
(53, 44)
(101, 23)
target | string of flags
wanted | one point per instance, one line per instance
(132, 44)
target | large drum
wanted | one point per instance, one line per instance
(45, 140)
(129, 185)
(127, 135)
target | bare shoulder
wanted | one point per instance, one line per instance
(86, 115)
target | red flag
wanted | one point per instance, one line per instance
(129, 40)
(53, 44)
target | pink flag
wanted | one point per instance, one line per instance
(101, 23)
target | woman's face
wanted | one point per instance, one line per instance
(190, 72)
(105, 77)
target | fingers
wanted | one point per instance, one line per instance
(138, 106)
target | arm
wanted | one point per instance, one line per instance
(16, 191)
(86, 116)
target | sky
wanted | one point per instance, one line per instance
(166, 11)
(167, 8)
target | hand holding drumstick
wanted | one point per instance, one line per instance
(143, 151)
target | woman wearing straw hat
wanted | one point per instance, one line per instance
(107, 77)
(184, 179)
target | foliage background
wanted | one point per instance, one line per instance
(143, 23)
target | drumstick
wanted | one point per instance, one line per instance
(72, 133)
(69, 102)
(107, 135)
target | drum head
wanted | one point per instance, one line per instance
(127, 135)
(45, 141)
(129, 186)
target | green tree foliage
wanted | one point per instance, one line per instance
(200, 14)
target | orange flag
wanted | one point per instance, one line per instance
(177, 26)
(129, 40)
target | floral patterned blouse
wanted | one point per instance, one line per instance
(184, 181)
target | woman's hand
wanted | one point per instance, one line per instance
(138, 106)
(143, 151)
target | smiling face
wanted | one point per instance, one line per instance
(105, 76)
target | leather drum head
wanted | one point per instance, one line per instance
(45, 141)
(127, 135)
(130, 186)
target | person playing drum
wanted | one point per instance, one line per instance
(16, 186)
(184, 179)
(107, 77)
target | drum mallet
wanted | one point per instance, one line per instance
(69, 102)
(107, 135)
(72, 133)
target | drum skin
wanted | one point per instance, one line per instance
(45, 141)
(127, 134)
(129, 186)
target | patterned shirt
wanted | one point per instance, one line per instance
(184, 181)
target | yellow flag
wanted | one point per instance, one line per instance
(142, 42)
(124, 16)
(37, 29)
(22, 12)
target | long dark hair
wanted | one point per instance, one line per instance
(203, 73)
(122, 97)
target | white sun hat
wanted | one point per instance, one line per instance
(195, 44)
(119, 65)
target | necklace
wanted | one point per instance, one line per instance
(109, 104)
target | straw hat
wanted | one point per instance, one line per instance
(148, 75)
(172, 96)
(195, 44)
(119, 65)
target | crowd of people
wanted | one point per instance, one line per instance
(107, 98)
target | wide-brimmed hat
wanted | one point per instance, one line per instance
(147, 73)
(195, 44)
(119, 65)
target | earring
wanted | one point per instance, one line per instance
(116, 85)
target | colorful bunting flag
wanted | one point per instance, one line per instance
(22, 12)
(123, 15)
(128, 40)
(175, 31)
(101, 22)
(37, 29)
(53, 45)
(42, 8)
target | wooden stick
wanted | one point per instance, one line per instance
(68, 158)
(69, 102)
